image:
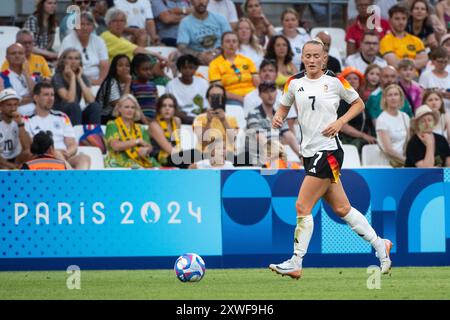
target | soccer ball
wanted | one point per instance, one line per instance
(190, 267)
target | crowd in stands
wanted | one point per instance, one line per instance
(109, 71)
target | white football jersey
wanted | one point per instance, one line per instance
(10, 146)
(317, 101)
(57, 122)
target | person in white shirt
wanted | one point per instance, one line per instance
(19, 77)
(94, 55)
(439, 77)
(248, 41)
(370, 45)
(189, 89)
(58, 123)
(14, 140)
(227, 9)
(140, 21)
(393, 125)
(215, 157)
(315, 94)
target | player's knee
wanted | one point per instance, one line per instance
(342, 210)
(302, 210)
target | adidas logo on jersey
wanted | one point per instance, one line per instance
(301, 89)
(313, 170)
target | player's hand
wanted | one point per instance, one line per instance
(277, 122)
(333, 129)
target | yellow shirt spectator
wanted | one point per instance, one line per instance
(118, 45)
(407, 47)
(217, 130)
(236, 78)
(37, 64)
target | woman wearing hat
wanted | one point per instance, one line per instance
(359, 131)
(426, 149)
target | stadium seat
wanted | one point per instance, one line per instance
(164, 51)
(351, 157)
(187, 137)
(78, 131)
(203, 71)
(238, 113)
(8, 35)
(96, 157)
(161, 90)
(372, 156)
(337, 39)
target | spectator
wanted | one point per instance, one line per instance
(95, 54)
(189, 90)
(412, 90)
(99, 12)
(67, 24)
(248, 42)
(116, 84)
(116, 20)
(367, 53)
(58, 123)
(71, 87)
(166, 110)
(393, 125)
(18, 77)
(144, 90)
(439, 77)
(14, 140)
(199, 33)
(42, 23)
(38, 66)
(214, 124)
(333, 63)
(388, 76)
(168, 14)
(400, 44)
(216, 156)
(360, 130)
(355, 31)
(443, 12)
(128, 142)
(44, 157)
(140, 21)
(259, 123)
(419, 23)
(264, 29)
(426, 149)
(371, 80)
(268, 71)
(433, 98)
(290, 21)
(279, 49)
(234, 71)
(276, 157)
(227, 9)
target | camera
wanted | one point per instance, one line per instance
(216, 102)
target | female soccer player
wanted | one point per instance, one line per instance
(316, 94)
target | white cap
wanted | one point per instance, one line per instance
(8, 94)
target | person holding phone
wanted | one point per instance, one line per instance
(73, 90)
(214, 124)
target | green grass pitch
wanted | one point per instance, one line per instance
(223, 284)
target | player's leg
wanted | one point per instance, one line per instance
(337, 199)
(311, 191)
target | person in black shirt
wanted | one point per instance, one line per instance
(426, 149)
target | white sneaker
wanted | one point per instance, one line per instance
(291, 267)
(385, 262)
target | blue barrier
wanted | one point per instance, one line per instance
(145, 219)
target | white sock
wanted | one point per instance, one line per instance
(358, 222)
(302, 235)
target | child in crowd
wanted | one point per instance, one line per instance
(166, 109)
(412, 90)
(188, 89)
(142, 86)
(372, 80)
(434, 99)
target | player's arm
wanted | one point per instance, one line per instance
(333, 129)
(280, 115)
